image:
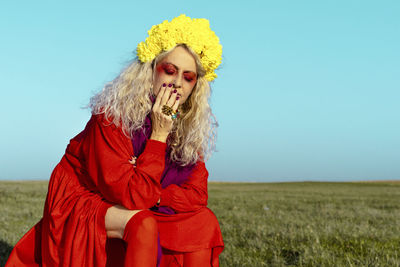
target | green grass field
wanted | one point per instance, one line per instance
(267, 224)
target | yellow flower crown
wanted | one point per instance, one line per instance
(195, 33)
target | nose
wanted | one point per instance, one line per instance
(178, 82)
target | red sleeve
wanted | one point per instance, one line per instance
(189, 196)
(107, 152)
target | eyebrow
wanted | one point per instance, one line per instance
(176, 67)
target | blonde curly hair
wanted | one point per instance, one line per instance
(126, 102)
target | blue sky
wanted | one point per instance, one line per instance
(308, 90)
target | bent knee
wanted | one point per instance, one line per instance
(115, 220)
(141, 229)
(147, 223)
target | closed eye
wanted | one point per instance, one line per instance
(190, 76)
(169, 69)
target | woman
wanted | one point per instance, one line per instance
(131, 189)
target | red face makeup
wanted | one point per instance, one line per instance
(170, 69)
(190, 76)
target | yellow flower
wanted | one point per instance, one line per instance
(195, 33)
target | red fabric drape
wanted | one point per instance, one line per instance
(95, 174)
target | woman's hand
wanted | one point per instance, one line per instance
(133, 161)
(161, 123)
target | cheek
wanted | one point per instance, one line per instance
(188, 90)
(159, 75)
(192, 83)
(159, 79)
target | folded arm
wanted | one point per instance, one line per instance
(189, 196)
(107, 153)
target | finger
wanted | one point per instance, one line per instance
(166, 95)
(172, 98)
(160, 94)
(176, 104)
(132, 161)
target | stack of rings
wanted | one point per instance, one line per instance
(167, 110)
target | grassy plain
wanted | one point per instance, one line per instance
(267, 224)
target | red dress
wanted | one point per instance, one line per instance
(95, 174)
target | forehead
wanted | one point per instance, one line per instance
(181, 58)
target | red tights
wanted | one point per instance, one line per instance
(140, 235)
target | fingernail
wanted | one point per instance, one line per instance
(170, 85)
(177, 98)
(164, 84)
(175, 91)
